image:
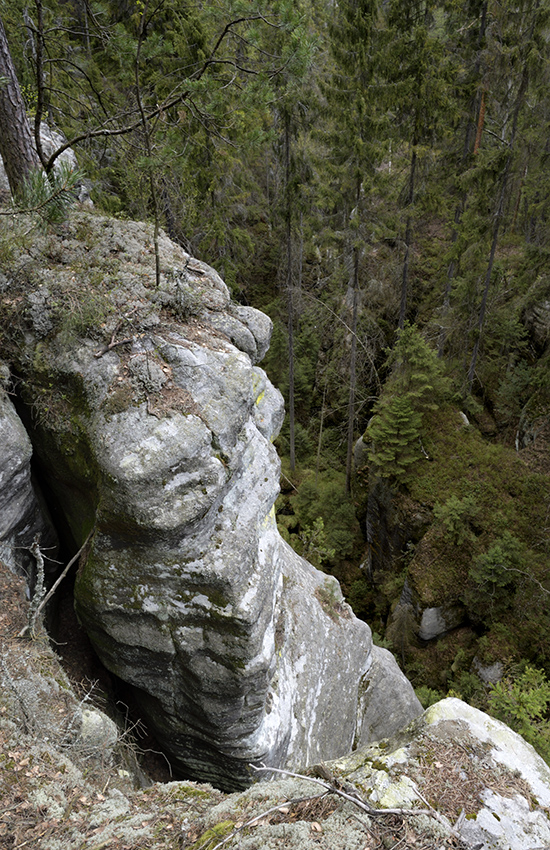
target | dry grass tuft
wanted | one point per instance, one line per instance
(451, 777)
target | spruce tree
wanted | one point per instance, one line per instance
(416, 372)
(416, 384)
(394, 432)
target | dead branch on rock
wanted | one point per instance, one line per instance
(114, 342)
(39, 591)
(348, 793)
(43, 599)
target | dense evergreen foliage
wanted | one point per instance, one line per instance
(374, 176)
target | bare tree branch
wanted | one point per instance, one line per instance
(351, 796)
(44, 601)
(180, 98)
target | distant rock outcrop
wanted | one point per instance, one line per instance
(153, 424)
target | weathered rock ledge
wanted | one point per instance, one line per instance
(66, 779)
(152, 425)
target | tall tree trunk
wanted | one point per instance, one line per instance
(39, 61)
(405, 275)
(148, 147)
(480, 122)
(16, 142)
(352, 372)
(290, 304)
(408, 239)
(320, 437)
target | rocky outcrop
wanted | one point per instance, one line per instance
(439, 620)
(153, 425)
(491, 784)
(23, 517)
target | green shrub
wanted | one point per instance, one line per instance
(314, 542)
(456, 514)
(428, 696)
(494, 575)
(328, 501)
(523, 703)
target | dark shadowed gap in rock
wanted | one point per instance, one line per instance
(72, 645)
(110, 694)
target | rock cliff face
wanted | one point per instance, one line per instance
(153, 425)
(22, 517)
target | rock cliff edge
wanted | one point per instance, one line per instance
(152, 425)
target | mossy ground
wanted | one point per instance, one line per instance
(503, 494)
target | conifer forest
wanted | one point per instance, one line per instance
(375, 176)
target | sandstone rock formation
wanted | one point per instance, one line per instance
(22, 517)
(492, 783)
(153, 425)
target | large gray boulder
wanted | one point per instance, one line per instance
(238, 650)
(51, 141)
(22, 516)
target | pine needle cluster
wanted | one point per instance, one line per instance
(48, 196)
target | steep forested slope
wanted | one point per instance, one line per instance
(374, 176)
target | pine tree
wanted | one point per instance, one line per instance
(16, 143)
(353, 140)
(417, 74)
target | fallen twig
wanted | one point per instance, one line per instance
(112, 345)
